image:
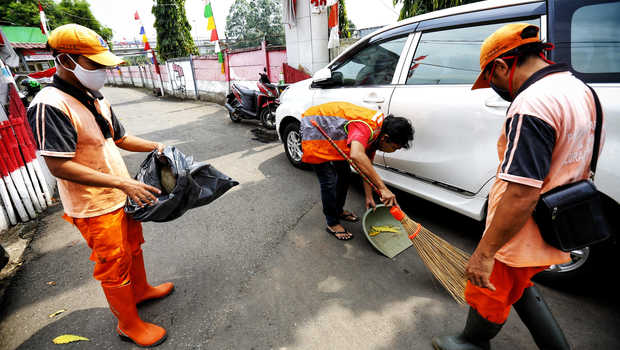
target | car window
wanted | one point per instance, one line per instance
(595, 47)
(451, 56)
(372, 65)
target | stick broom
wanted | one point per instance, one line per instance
(446, 262)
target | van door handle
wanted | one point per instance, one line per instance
(373, 98)
(496, 102)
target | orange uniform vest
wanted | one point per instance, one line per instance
(334, 118)
(92, 150)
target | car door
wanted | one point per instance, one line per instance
(456, 129)
(366, 76)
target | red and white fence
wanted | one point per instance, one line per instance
(26, 186)
(201, 77)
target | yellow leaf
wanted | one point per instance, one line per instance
(389, 228)
(68, 338)
(56, 313)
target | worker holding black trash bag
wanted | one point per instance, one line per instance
(79, 136)
(550, 142)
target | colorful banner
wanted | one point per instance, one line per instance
(213, 35)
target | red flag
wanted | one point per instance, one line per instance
(136, 16)
(147, 46)
(333, 16)
(155, 62)
(214, 36)
(43, 19)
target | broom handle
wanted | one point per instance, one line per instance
(345, 156)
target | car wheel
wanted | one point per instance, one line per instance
(268, 117)
(581, 265)
(292, 145)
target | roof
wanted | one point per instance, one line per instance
(28, 45)
(476, 6)
(24, 35)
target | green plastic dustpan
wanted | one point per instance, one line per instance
(388, 243)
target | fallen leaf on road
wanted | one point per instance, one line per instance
(68, 338)
(57, 313)
(51, 283)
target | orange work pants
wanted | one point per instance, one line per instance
(113, 238)
(509, 282)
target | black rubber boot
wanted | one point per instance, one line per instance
(476, 336)
(537, 317)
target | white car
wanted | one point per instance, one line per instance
(422, 68)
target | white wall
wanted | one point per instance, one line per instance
(306, 42)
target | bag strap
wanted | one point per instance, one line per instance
(597, 131)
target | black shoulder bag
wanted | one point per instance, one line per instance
(571, 216)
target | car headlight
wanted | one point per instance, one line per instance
(284, 91)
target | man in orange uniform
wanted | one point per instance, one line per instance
(79, 136)
(359, 132)
(547, 142)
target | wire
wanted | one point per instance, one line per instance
(391, 8)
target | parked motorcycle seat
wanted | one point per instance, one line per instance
(246, 91)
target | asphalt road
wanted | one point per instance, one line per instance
(256, 270)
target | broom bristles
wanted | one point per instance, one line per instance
(446, 262)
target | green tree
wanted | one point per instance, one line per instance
(26, 13)
(173, 30)
(417, 7)
(345, 26)
(249, 22)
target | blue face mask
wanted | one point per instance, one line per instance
(505, 94)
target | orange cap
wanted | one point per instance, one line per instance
(76, 39)
(503, 40)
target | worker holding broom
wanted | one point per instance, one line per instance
(359, 132)
(79, 136)
(547, 141)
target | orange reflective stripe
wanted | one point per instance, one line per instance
(334, 117)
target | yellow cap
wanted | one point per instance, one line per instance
(76, 39)
(503, 40)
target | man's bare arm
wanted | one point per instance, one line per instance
(136, 144)
(359, 157)
(513, 210)
(67, 169)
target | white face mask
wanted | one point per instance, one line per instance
(91, 79)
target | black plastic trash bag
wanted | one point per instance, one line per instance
(197, 184)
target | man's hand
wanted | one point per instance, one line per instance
(479, 268)
(370, 202)
(160, 148)
(387, 197)
(139, 192)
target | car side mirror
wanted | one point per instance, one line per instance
(322, 78)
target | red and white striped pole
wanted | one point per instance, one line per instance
(26, 143)
(9, 186)
(20, 170)
(7, 207)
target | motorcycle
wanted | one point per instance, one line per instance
(243, 103)
(29, 87)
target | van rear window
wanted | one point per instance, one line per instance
(595, 41)
(585, 34)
